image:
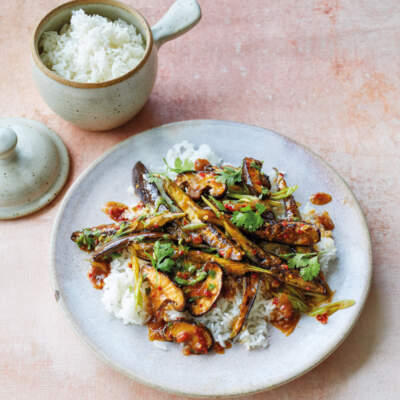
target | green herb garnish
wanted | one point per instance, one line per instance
(229, 176)
(161, 258)
(248, 219)
(307, 263)
(200, 276)
(180, 166)
(87, 239)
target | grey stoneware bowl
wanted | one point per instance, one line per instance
(106, 105)
(238, 371)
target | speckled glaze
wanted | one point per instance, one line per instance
(106, 105)
(34, 166)
(237, 372)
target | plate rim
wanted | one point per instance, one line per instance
(107, 360)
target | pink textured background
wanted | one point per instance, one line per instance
(325, 73)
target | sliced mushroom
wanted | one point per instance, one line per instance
(196, 183)
(250, 288)
(203, 295)
(196, 337)
(252, 176)
(163, 290)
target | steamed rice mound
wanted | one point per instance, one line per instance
(92, 48)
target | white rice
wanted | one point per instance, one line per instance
(186, 150)
(92, 48)
(119, 296)
(119, 299)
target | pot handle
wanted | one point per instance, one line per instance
(181, 17)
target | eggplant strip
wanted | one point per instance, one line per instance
(123, 242)
(295, 233)
(251, 284)
(147, 191)
(89, 238)
(292, 211)
(252, 176)
(210, 234)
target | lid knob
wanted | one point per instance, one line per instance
(8, 142)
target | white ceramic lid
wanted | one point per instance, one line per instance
(34, 166)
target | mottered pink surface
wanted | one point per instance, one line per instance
(324, 73)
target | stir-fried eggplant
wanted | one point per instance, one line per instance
(203, 295)
(292, 211)
(87, 239)
(147, 191)
(250, 288)
(163, 290)
(198, 183)
(295, 233)
(196, 338)
(194, 212)
(253, 178)
(210, 234)
(124, 241)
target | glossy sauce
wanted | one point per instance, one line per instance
(284, 317)
(98, 273)
(326, 221)
(320, 199)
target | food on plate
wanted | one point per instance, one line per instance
(212, 254)
(92, 48)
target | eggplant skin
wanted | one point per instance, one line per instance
(252, 176)
(251, 284)
(147, 191)
(297, 233)
(123, 242)
(216, 239)
(196, 337)
(291, 209)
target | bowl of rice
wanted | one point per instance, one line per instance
(95, 61)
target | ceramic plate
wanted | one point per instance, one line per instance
(238, 371)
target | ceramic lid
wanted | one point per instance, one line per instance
(34, 166)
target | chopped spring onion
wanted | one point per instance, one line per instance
(331, 308)
(194, 226)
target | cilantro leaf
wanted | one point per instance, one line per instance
(180, 166)
(307, 263)
(161, 258)
(229, 176)
(248, 219)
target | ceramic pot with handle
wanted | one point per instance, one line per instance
(106, 105)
